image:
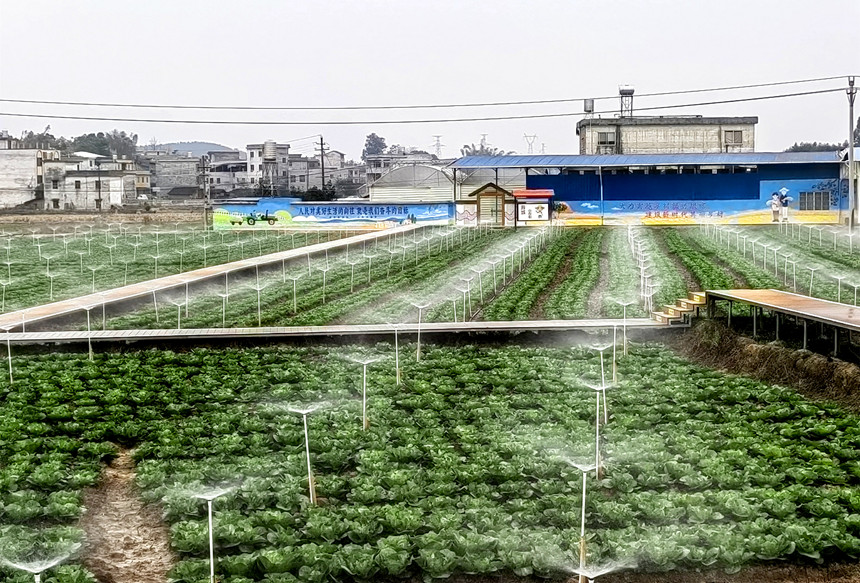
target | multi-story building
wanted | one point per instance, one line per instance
(175, 175)
(228, 175)
(666, 135)
(279, 167)
(21, 172)
(305, 173)
(89, 181)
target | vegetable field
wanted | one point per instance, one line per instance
(457, 274)
(463, 469)
(40, 268)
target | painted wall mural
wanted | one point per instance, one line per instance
(809, 201)
(283, 213)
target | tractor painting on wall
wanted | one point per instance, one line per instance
(252, 218)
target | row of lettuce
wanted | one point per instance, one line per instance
(461, 471)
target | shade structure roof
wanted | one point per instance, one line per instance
(609, 160)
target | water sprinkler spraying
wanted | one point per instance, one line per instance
(51, 277)
(94, 268)
(312, 494)
(364, 362)
(259, 288)
(294, 278)
(464, 291)
(80, 255)
(352, 265)
(178, 313)
(210, 496)
(593, 572)
(38, 566)
(155, 305)
(370, 257)
(601, 348)
(812, 269)
(624, 304)
(224, 298)
(3, 301)
(855, 286)
(420, 309)
(839, 279)
(396, 327)
(324, 270)
(8, 330)
(584, 468)
(597, 390)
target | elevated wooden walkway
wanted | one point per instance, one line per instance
(804, 309)
(435, 328)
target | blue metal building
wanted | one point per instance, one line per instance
(681, 188)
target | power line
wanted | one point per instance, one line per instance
(428, 106)
(413, 121)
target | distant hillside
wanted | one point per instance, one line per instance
(196, 148)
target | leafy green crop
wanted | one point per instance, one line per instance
(456, 473)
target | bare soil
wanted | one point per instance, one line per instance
(598, 292)
(127, 541)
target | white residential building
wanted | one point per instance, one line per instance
(281, 167)
(89, 181)
(22, 173)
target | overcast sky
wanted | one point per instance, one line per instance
(399, 52)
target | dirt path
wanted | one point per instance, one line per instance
(127, 541)
(689, 280)
(598, 292)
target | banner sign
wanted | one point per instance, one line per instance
(281, 213)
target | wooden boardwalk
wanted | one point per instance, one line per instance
(804, 307)
(20, 318)
(275, 332)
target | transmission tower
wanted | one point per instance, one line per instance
(530, 140)
(438, 145)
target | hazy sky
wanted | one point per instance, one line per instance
(396, 52)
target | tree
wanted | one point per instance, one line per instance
(315, 194)
(44, 139)
(825, 146)
(816, 147)
(373, 145)
(107, 144)
(483, 150)
(344, 188)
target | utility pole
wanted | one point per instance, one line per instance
(322, 163)
(99, 183)
(852, 192)
(207, 192)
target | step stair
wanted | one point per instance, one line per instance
(683, 310)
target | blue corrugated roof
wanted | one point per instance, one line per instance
(544, 161)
